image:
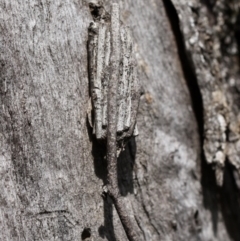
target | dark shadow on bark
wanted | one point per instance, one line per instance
(100, 161)
(210, 191)
(107, 230)
(126, 162)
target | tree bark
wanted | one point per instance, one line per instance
(179, 179)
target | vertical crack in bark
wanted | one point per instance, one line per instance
(207, 176)
(208, 180)
(187, 67)
(224, 199)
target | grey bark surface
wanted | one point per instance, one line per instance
(52, 169)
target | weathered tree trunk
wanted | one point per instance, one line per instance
(52, 170)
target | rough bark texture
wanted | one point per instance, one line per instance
(52, 169)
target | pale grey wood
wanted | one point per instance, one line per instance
(51, 169)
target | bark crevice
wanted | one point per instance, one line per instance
(223, 199)
(187, 67)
